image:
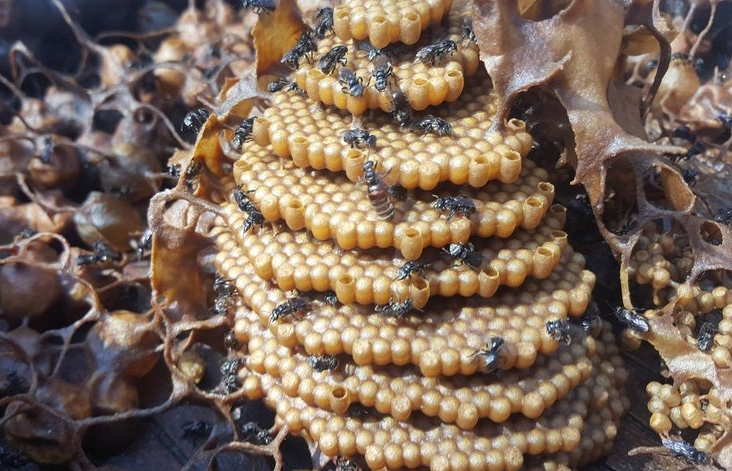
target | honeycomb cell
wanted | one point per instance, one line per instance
(296, 260)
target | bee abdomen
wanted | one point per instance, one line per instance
(379, 199)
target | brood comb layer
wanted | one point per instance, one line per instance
(423, 85)
(295, 261)
(399, 391)
(383, 23)
(313, 137)
(332, 207)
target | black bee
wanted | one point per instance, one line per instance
(559, 330)
(230, 341)
(289, 307)
(398, 192)
(259, 6)
(221, 306)
(373, 52)
(324, 362)
(192, 172)
(330, 298)
(468, 32)
(684, 449)
(695, 149)
(294, 87)
(254, 216)
(351, 83)
(377, 191)
(685, 133)
(243, 133)
(305, 47)
(243, 201)
(396, 309)
(466, 254)
(253, 219)
(591, 322)
(223, 287)
(277, 85)
(102, 253)
(229, 378)
(292, 58)
(724, 216)
(436, 51)
(306, 44)
(144, 244)
(401, 110)
(455, 204)
(705, 339)
(382, 72)
(344, 464)
(253, 433)
(433, 124)
(174, 171)
(357, 137)
(689, 175)
(195, 431)
(408, 268)
(634, 320)
(358, 411)
(330, 59)
(194, 121)
(491, 354)
(325, 23)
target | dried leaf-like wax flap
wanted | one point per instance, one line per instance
(15, 217)
(276, 33)
(176, 244)
(573, 54)
(207, 148)
(237, 96)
